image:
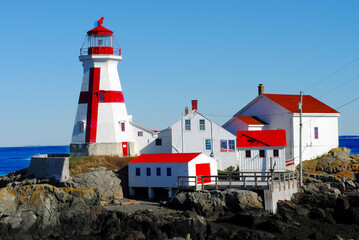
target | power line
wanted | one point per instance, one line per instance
(333, 73)
(351, 79)
(348, 102)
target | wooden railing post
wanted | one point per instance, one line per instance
(244, 181)
(195, 183)
(216, 182)
(279, 181)
(256, 179)
(230, 180)
(202, 183)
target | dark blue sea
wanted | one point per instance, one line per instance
(351, 142)
(16, 158)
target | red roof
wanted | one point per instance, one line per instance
(99, 30)
(165, 158)
(261, 138)
(251, 120)
(310, 104)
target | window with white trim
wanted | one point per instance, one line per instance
(187, 124)
(208, 144)
(223, 145)
(159, 142)
(248, 153)
(202, 124)
(262, 153)
(316, 133)
(231, 145)
(275, 153)
(123, 127)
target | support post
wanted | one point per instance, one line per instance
(170, 193)
(300, 106)
(132, 191)
(150, 193)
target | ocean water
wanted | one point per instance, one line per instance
(16, 158)
(351, 142)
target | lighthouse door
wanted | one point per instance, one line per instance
(125, 149)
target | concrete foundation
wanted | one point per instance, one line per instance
(98, 149)
(50, 166)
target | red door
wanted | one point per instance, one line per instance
(203, 169)
(125, 149)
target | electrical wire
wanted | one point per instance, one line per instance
(340, 85)
(333, 73)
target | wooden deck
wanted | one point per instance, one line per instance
(242, 180)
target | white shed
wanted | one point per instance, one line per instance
(161, 170)
(261, 151)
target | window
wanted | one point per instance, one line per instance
(102, 97)
(148, 171)
(82, 126)
(138, 171)
(223, 145)
(248, 153)
(261, 153)
(202, 125)
(231, 145)
(123, 127)
(316, 133)
(158, 171)
(208, 144)
(159, 142)
(275, 153)
(169, 171)
(187, 124)
(140, 133)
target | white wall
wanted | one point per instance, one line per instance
(194, 139)
(166, 146)
(142, 142)
(328, 135)
(257, 164)
(178, 169)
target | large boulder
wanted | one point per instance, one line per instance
(30, 206)
(213, 204)
(106, 182)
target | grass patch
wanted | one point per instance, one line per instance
(84, 164)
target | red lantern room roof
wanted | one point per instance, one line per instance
(100, 30)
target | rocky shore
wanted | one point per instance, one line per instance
(92, 206)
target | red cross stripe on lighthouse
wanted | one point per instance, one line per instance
(93, 97)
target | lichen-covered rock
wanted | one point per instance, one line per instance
(216, 203)
(106, 182)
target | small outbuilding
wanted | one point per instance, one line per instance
(162, 170)
(261, 151)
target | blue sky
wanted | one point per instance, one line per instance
(174, 51)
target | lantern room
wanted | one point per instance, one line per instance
(100, 40)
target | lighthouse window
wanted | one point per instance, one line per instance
(102, 97)
(140, 133)
(123, 127)
(82, 126)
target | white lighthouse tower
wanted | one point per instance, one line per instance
(102, 123)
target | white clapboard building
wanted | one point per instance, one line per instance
(261, 150)
(162, 170)
(280, 111)
(195, 132)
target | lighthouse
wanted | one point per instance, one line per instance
(102, 125)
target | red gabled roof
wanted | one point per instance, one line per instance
(310, 104)
(165, 158)
(251, 120)
(261, 138)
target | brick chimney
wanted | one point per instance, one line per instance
(260, 89)
(186, 111)
(194, 105)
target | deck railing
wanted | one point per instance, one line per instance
(243, 180)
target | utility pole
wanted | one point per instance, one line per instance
(300, 107)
